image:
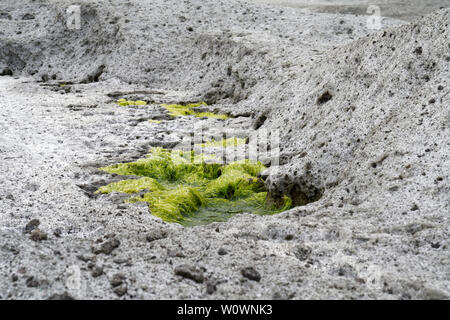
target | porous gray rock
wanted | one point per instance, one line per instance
(364, 126)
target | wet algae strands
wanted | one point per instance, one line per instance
(178, 110)
(179, 187)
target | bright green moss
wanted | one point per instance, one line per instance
(182, 188)
(224, 143)
(132, 186)
(173, 205)
(125, 102)
(178, 110)
(155, 121)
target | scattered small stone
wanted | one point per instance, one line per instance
(61, 296)
(32, 282)
(117, 280)
(190, 272)
(86, 258)
(108, 246)
(211, 287)
(121, 260)
(97, 272)
(415, 207)
(251, 273)
(121, 290)
(14, 277)
(222, 252)
(6, 72)
(57, 233)
(418, 50)
(33, 224)
(38, 235)
(435, 245)
(289, 237)
(28, 16)
(175, 253)
(156, 235)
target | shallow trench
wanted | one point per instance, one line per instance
(209, 176)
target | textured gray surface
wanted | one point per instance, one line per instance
(400, 9)
(378, 150)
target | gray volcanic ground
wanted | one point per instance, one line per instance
(364, 123)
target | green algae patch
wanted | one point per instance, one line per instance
(178, 110)
(155, 121)
(181, 187)
(125, 102)
(174, 205)
(132, 186)
(224, 143)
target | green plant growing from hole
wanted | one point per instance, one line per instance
(181, 187)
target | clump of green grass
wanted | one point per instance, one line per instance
(178, 110)
(125, 102)
(182, 188)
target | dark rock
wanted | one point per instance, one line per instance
(33, 224)
(32, 282)
(117, 280)
(189, 272)
(324, 98)
(86, 258)
(61, 296)
(251, 273)
(418, 50)
(156, 235)
(28, 16)
(14, 277)
(211, 287)
(97, 272)
(38, 235)
(222, 252)
(289, 237)
(6, 72)
(57, 233)
(108, 246)
(121, 290)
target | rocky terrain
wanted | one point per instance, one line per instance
(364, 123)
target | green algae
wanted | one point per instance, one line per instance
(181, 187)
(155, 121)
(132, 186)
(224, 143)
(125, 102)
(178, 110)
